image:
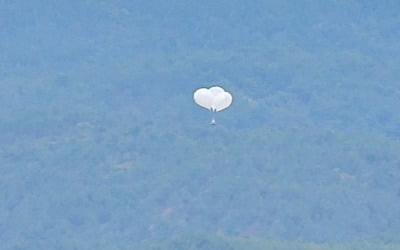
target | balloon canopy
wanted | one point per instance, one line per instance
(214, 99)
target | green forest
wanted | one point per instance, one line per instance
(103, 147)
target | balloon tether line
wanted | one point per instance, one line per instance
(213, 111)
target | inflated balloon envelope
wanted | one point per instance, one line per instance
(214, 99)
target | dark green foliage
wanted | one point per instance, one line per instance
(102, 147)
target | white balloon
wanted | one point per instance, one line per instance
(215, 98)
(216, 90)
(204, 98)
(222, 101)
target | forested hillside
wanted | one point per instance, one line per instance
(102, 146)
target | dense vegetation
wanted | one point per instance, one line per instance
(102, 147)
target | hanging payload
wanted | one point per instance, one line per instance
(214, 99)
